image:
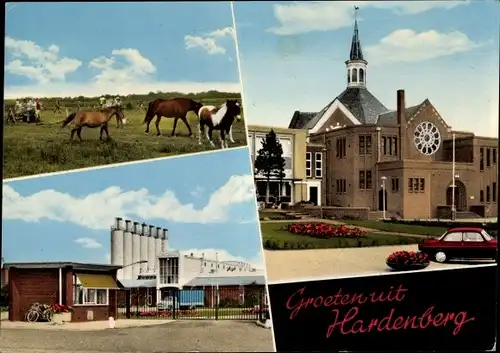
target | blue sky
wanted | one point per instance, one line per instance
(292, 57)
(206, 206)
(97, 48)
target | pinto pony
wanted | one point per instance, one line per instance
(176, 108)
(222, 118)
(93, 119)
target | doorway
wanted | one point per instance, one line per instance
(313, 195)
(382, 198)
(460, 196)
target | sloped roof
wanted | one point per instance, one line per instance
(390, 118)
(358, 100)
(226, 281)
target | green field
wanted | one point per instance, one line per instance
(276, 237)
(33, 149)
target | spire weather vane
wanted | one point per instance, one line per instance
(356, 8)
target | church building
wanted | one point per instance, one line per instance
(408, 161)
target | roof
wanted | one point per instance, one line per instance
(135, 283)
(390, 118)
(226, 281)
(360, 102)
(466, 229)
(55, 265)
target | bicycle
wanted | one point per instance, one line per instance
(39, 312)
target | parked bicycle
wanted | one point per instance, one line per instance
(39, 312)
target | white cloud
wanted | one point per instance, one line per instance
(209, 42)
(124, 71)
(406, 45)
(97, 210)
(313, 16)
(197, 191)
(88, 243)
(224, 255)
(42, 65)
(107, 258)
(135, 68)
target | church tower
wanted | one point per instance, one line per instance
(356, 65)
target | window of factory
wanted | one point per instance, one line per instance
(169, 270)
(481, 159)
(488, 157)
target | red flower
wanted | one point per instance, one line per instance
(325, 231)
(408, 257)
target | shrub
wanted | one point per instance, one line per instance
(61, 308)
(408, 258)
(325, 231)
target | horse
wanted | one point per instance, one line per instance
(176, 108)
(94, 119)
(221, 118)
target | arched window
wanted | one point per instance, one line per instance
(361, 75)
(348, 76)
(354, 75)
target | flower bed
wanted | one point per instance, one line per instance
(254, 311)
(168, 313)
(407, 260)
(326, 231)
(61, 308)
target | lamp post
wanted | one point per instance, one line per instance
(453, 186)
(383, 196)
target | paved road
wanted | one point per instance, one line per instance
(286, 265)
(179, 336)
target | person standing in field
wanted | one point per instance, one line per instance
(117, 102)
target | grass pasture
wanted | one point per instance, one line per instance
(34, 149)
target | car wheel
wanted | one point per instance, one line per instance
(440, 257)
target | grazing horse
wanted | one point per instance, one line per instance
(176, 108)
(94, 119)
(221, 118)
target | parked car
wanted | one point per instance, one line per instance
(461, 243)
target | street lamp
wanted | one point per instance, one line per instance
(135, 263)
(453, 188)
(453, 208)
(383, 196)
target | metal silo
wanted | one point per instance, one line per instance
(151, 249)
(136, 250)
(164, 241)
(127, 252)
(117, 243)
(144, 248)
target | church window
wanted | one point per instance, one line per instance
(354, 75)
(361, 75)
(348, 76)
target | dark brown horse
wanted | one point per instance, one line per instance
(94, 119)
(176, 108)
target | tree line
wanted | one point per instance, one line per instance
(131, 100)
(270, 163)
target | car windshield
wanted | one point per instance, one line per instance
(486, 236)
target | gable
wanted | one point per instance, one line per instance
(328, 114)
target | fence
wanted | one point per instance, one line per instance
(204, 303)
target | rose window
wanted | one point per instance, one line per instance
(427, 138)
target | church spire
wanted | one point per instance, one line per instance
(356, 65)
(356, 52)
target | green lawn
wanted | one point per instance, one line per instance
(207, 313)
(276, 237)
(33, 149)
(397, 228)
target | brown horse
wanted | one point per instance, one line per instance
(176, 108)
(94, 119)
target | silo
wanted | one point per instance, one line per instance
(159, 235)
(144, 248)
(164, 241)
(136, 250)
(127, 251)
(151, 250)
(117, 243)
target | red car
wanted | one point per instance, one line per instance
(461, 243)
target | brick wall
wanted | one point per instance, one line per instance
(30, 286)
